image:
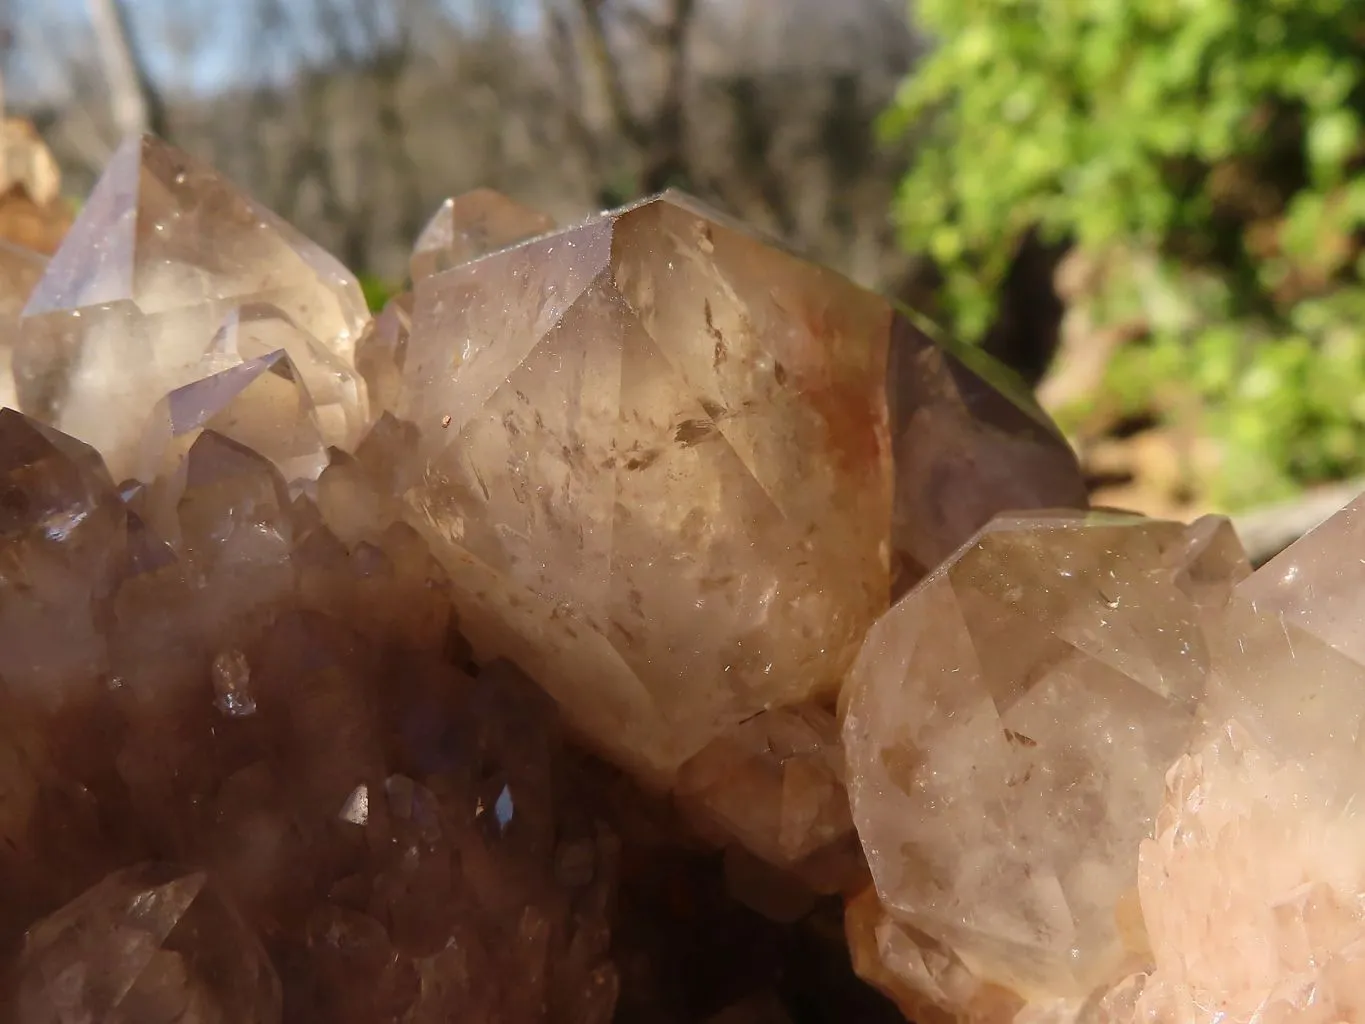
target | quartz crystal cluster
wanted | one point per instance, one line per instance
(314, 626)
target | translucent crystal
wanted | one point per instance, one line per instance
(290, 716)
(776, 781)
(62, 529)
(335, 390)
(261, 403)
(382, 352)
(969, 442)
(1008, 724)
(656, 462)
(471, 225)
(152, 944)
(1253, 884)
(162, 251)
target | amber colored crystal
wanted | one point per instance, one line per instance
(128, 308)
(151, 944)
(927, 982)
(776, 783)
(20, 270)
(471, 225)
(656, 464)
(1008, 725)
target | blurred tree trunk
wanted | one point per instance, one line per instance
(133, 99)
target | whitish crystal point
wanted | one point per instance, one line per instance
(129, 307)
(471, 225)
(1007, 726)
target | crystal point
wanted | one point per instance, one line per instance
(657, 459)
(1008, 723)
(128, 308)
(471, 225)
(261, 403)
(1251, 884)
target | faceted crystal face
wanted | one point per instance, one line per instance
(128, 308)
(472, 225)
(1008, 723)
(152, 944)
(261, 403)
(777, 781)
(382, 352)
(61, 533)
(656, 460)
(335, 389)
(970, 442)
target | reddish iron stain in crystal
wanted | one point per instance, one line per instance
(857, 428)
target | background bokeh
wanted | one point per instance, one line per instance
(1152, 209)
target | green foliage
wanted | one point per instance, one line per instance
(377, 291)
(1222, 138)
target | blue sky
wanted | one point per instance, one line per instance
(198, 45)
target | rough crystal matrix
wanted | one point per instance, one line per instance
(1008, 724)
(368, 831)
(656, 456)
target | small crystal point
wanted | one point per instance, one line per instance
(382, 351)
(1008, 724)
(153, 944)
(261, 403)
(471, 225)
(128, 307)
(164, 231)
(335, 390)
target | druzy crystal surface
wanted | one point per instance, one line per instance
(288, 721)
(1008, 726)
